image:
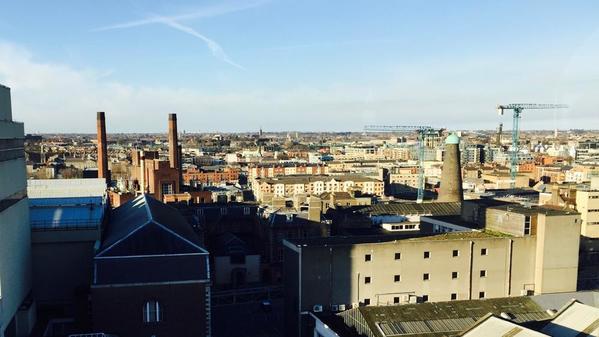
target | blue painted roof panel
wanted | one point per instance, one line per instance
(73, 212)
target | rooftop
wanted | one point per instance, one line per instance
(143, 216)
(66, 213)
(392, 236)
(60, 188)
(533, 209)
(411, 208)
(441, 318)
(304, 179)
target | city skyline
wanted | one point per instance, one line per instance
(236, 66)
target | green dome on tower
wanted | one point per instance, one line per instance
(452, 139)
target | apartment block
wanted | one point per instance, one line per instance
(211, 176)
(275, 170)
(265, 189)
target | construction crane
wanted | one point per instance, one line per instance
(423, 133)
(518, 108)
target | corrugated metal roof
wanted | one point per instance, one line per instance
(575, 319)
(492, 326)
(64, 188)
(441, 318)
(412, 208)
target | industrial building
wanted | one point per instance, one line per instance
(587, 203)
(574, 314)
(522, 251)
(151, 276)
(66, 217)
(17, 309)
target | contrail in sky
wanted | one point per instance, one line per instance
(175, 23)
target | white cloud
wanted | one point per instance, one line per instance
(51, 97)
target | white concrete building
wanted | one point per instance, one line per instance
(16, 309)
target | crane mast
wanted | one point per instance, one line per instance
(423, 132)
(517, 108)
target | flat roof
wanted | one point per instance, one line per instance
(354, 240)
(533, 209)
(61, 188)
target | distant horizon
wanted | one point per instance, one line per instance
(505, 132)
(234, 65)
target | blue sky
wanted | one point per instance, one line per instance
(298, 65)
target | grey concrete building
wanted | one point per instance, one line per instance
(522, 251)
(16, 310)
(66, 217)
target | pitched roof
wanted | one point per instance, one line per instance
(574, 319)
(493, 326)
(438, 319)
(407, 208)
(145, 226)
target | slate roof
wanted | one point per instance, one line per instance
(145, 226)
(147, 241)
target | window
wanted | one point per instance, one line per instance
(396, 278)
(483, 273)
(425, 277)
(395, 300)
(367, 279)
(454, 274)
(246, 211)
(424, 298)
(152, 312)
(427, 255)
(397, 256)
(527, 225)
(481, 294)
(367, 257)
(455, 253)
(167, 188)
(483, 251)
(454, 296)
(367, 301)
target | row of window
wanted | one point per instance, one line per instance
(424, 298)
(426, 276)
(427, 254)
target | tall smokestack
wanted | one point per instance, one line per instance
(451, 176)
(173, 141)
(142, 172)
(499, 132)
(102, 153)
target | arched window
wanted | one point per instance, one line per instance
(152, 312)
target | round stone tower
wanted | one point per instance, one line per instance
(451, 177)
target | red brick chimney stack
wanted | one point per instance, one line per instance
(102, 152)
(173, 141)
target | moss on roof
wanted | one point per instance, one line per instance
(523, 309)
(464, 235)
